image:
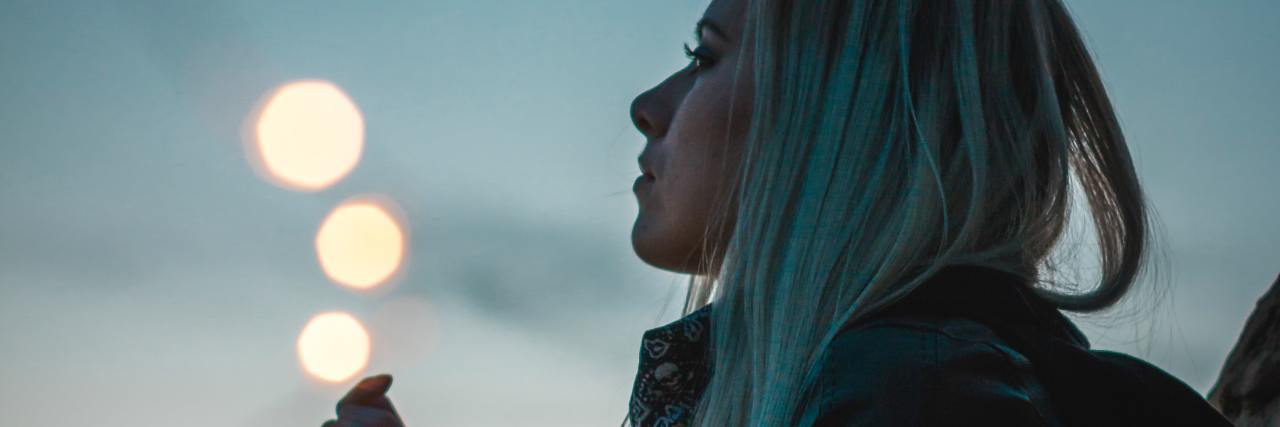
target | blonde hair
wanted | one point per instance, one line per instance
(890, 139)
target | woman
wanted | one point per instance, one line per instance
(868, 191)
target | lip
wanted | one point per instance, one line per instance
(643, 182)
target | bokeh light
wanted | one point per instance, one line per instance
(333, 347)
(361, 244)
(308, 135)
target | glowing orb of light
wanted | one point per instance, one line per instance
(333, 347)
(360, 244)
(308, 135)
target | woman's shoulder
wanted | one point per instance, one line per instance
(927, 370)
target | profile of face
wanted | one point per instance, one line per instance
(695, 123)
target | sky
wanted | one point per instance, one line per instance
(149, 276)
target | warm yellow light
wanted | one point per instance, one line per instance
(360, 244)
(308, 135)
(333, 347)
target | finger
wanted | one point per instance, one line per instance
(365, 416)
(380, 402)
(367, 391)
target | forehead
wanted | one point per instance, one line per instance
(729, 15)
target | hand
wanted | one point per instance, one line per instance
(366, 405)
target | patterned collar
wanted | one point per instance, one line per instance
(674, 368)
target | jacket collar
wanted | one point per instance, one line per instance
(675, 363)
(1087, 387)
(1001, 300)
(674, 368)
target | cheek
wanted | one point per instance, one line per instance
(696, 148)
(707, 134)
(702, 150)
(704, 116)
(711, 123)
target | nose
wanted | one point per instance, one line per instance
(640, 115)
(653, 109)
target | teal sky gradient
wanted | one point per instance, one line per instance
(149, 278)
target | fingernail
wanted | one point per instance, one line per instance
(373, 383)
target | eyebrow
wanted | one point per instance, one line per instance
(708, 25)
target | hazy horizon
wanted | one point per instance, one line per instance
(148, 274)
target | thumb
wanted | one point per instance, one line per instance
(367, 391)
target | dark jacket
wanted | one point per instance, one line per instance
(971, 346)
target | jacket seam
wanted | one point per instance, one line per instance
(1036, 400)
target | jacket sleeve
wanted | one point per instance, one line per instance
(926, 374)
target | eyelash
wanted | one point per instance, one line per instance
(698, 57)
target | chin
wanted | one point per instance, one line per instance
(660, 249)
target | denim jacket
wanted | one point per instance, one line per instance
(970, 346)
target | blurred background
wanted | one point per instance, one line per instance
(158, 268)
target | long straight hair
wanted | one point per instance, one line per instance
(889, 139)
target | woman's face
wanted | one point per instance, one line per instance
(695, 122)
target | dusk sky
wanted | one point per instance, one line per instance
(150, 276)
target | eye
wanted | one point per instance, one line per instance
(699, 58)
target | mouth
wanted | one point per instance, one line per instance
(646, 178)
(642, 182)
